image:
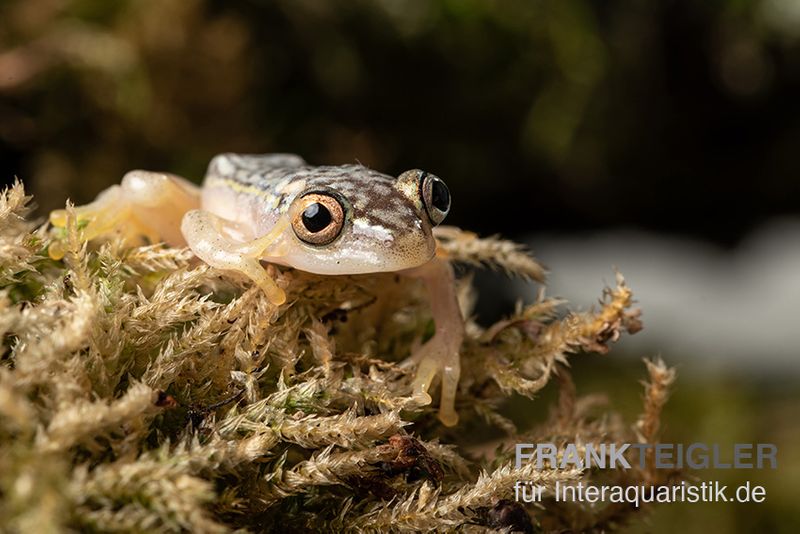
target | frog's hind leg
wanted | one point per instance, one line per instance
(145, 204)
(99, 217)
(213, 239)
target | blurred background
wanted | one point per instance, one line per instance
(658, 137)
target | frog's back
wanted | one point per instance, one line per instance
(271, 172)
(259, 172)
(255, 190)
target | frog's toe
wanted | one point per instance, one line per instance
(258, 274)
(97, 214)
(435, 358)
(93, 220)
(426, 372)
(447, 406)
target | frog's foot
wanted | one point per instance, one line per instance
(219, 243)
(439, 356)
(100, 217)
(145, 204)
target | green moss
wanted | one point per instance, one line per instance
(143, 391)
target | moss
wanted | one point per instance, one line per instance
(141, 390)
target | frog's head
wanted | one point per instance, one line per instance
(352, 220)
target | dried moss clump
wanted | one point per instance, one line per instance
(141, 390)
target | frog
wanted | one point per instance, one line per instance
(328, 220)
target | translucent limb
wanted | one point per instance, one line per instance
(209, 237)
(440, 355)
(145, 204)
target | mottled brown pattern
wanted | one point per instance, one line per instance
(369, 193)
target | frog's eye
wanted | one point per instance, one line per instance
(318, 218)
(435, 196)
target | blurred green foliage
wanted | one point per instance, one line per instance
(540, 114)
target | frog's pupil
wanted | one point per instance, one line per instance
(440, 196)
(316, 217)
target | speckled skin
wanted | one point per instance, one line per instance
(386, 228)
(242, 216)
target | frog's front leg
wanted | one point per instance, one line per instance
(220, 243)
(441, 353)
(146, 204)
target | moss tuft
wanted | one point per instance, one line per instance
(141, 390)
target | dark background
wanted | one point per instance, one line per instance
(565, 115)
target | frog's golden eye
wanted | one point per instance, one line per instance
(318, 218)
(435, 196)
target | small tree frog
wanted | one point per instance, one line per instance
(330, 220)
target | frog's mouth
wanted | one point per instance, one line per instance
(357, 254)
